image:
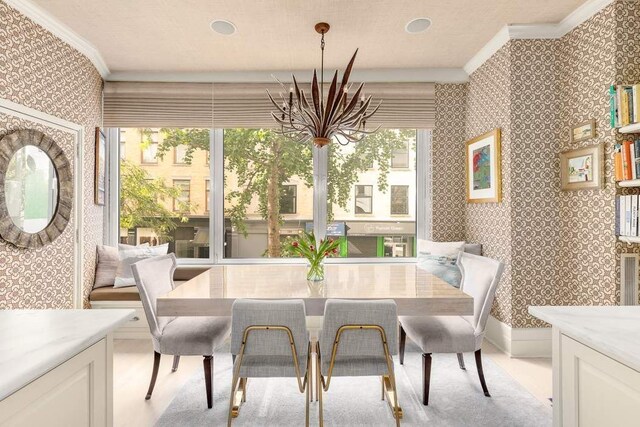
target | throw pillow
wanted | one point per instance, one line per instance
(448, 249)
(129, 256)
(442, 267)
(107, 265)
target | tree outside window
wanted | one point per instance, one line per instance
(399, 199)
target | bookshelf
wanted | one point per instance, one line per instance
(629, 183)
(629, 239)
(632, 128)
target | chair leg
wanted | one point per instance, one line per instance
(319, 391)
(426, 377)
(481, 373)
(208, 379)
(154, 374)
(403, 341)
(176, 361)
(461, 361)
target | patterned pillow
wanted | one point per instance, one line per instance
(107, 265)
(129, 256)
(441, 266)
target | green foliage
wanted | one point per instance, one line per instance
(142, 202)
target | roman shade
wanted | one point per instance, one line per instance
(245, 105)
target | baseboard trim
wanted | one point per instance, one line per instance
(519, 342)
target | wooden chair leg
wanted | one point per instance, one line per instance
(208, 379)
(176, 361)
(403, 341)
(426, 377)
(154, 374)
(481, 373)
(461, 361)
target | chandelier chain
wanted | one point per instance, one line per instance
(322, 68)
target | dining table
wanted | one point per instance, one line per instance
(415, 291)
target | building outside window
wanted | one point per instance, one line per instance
(150, 153)
(288, 202)
(364, 199)
(400, 157)
(399, 200)
(184, 197)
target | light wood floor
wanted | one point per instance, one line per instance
(133, 360)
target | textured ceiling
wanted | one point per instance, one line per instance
(174, 35)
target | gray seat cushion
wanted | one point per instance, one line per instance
(441, 334)
(190, 336)
(271, 366)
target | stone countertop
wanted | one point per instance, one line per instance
(612, 330)
(32, 342)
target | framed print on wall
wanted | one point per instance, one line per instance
(583, 131)
(582, 168)
(484, 177)
(99, 178)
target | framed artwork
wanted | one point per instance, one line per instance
(484, 178)
(99, 178)
(583, 131)
(582, 168)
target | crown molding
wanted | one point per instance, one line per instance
(539, 31)
(401, 75)
(60, 30)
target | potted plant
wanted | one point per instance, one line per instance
(306, 247)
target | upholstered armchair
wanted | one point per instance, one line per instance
(456, 334)
(176, 336)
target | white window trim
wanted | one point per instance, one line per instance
(320, 164)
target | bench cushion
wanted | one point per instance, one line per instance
(110, 293)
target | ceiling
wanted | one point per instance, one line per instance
(174, 35)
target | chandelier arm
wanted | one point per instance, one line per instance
(352, 104)
(331, 99)
(315, 94)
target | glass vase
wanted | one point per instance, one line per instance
(316, 272)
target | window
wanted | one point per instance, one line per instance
(254, 227)
(150, 212)
(364, 199)
(399, 200)
(184, 197)
(363, 221)
(207, 195)
(288, 197)
(179, 154)
(400, 157)
(123, 145)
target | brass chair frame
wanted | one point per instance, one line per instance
(304, 385)
(388, 381)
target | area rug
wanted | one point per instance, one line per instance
(456, 399)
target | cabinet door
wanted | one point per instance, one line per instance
(596, 390)
(74, 393)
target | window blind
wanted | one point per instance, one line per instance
(245, 105)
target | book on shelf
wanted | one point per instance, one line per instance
(624, 104)
(626, 215)
(626, 160)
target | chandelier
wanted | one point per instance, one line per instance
(321, 119)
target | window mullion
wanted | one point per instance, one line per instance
(216, 209)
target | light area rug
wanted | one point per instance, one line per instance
(456, 399)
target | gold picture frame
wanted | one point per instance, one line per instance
(483, 168)
(582, 168)
(583, 131)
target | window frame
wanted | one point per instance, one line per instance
(216, 199)
(356, 197)
(294, 197)
(155, 161)
(173, 182)
(406, 153)
(406, 211)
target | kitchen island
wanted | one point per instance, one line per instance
(596, 364)
(56, 366)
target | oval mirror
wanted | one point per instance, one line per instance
(31, 189)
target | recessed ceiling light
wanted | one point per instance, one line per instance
(417, 25)
(223, 27)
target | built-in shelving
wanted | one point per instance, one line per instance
(632, 128)
(629, 239)
(629, 183)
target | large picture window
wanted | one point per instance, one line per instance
(242, 194)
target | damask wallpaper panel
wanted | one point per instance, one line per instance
(489, 107)
(448, 148)
(40, 71)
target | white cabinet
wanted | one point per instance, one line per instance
(595, 390)
(77, 392)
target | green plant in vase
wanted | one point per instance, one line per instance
(306, 247)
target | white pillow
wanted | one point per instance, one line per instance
(129, 256)
(446, 249)
(107, 265)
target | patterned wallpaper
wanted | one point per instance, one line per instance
(447, 148)
(489, 107)
(559, 247)
(40, 71)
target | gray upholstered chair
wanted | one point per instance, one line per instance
(456, 334)
(269, 338)
(358, 338)
(177, 336)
